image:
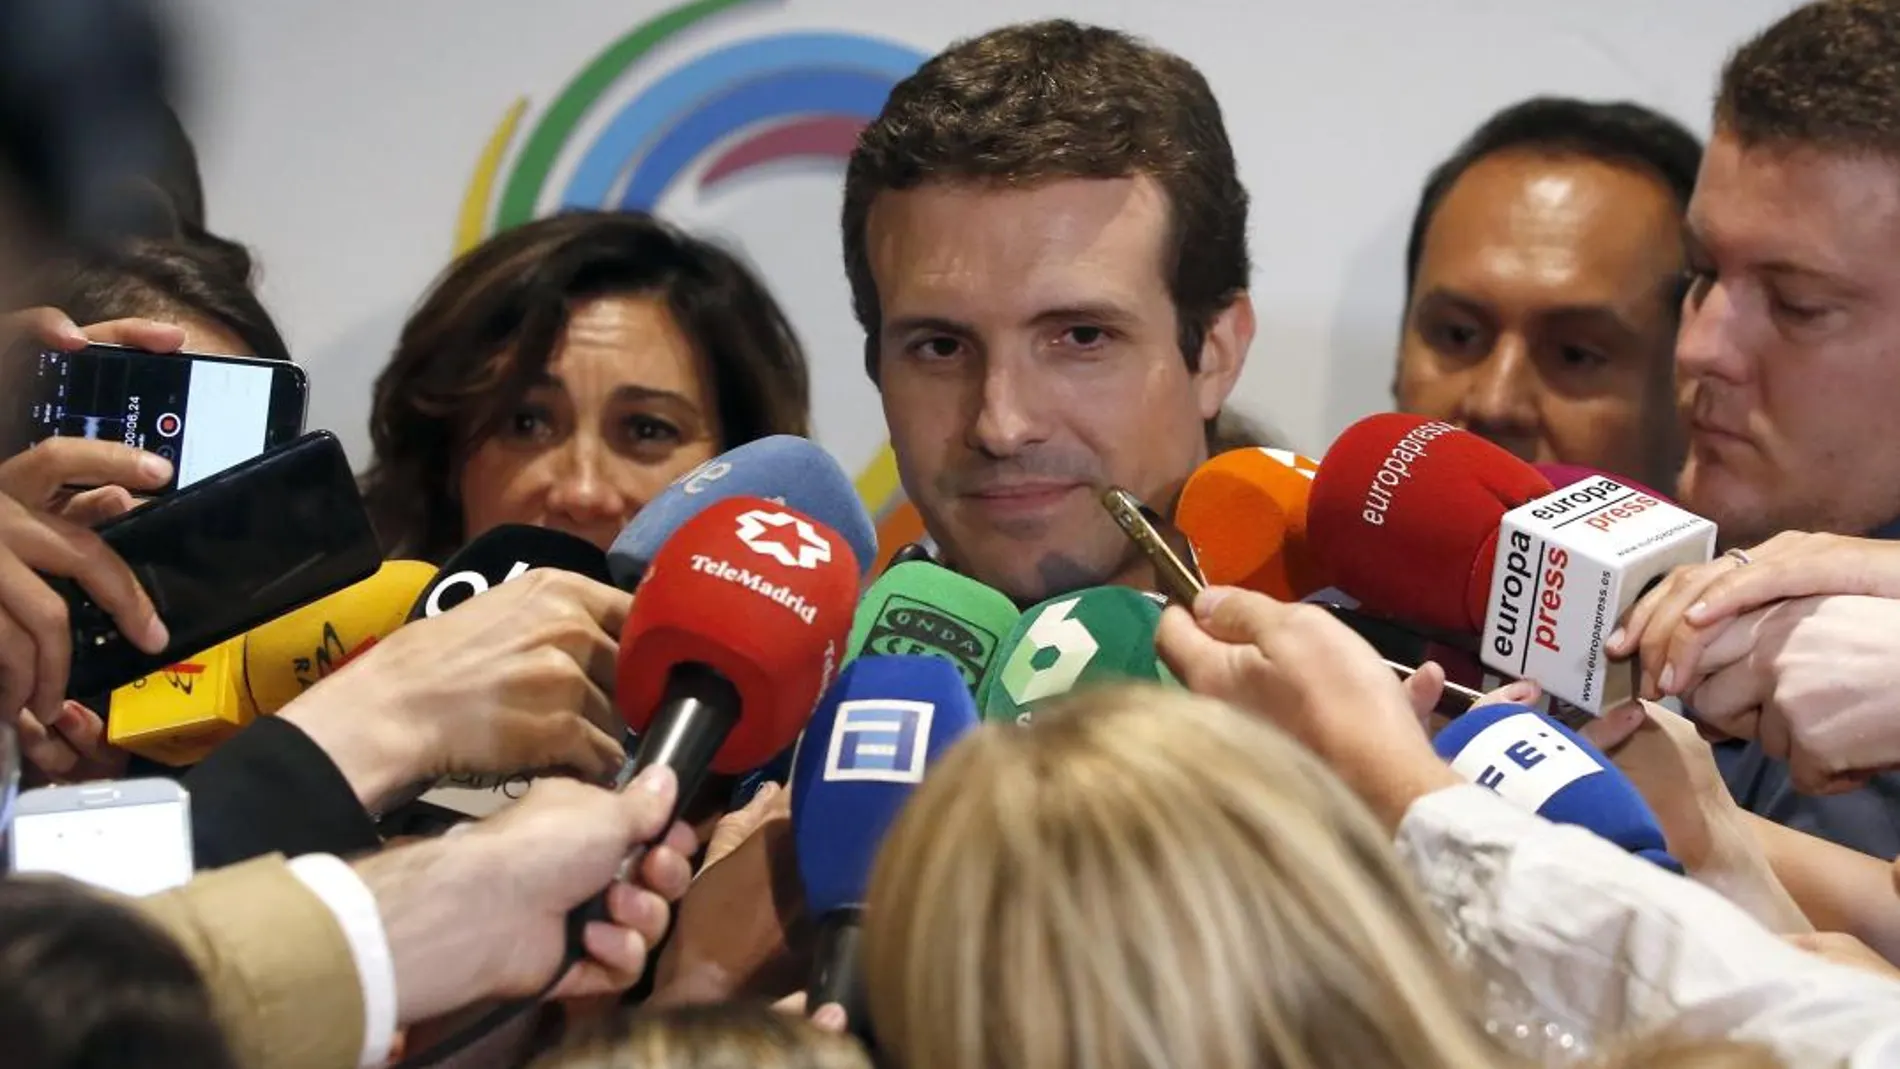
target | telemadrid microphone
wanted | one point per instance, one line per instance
(289, 655)
(179, 714)
(737, 627)
(782, 469)
(503, 553)
(1102, 634)
(1539, 765)
(869, 745)
(920, 607)
(1245, 511)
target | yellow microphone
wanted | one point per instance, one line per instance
(179, 714)
(290, 654)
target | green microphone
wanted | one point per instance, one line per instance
(924, 608)
(1104, 634)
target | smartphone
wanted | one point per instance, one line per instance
(223, 555)
(203, 413)
(132, 836)
(1176, 571)
(1401, 646)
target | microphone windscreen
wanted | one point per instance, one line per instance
(504, 553)
(1102, 634)
(1404, 516)
(781, 469)
(1562, 475)
(924, 608)
(868, 745)
(288, 655)
(1245, 512)
(179, 714)
(1539, 765)
(761, 594)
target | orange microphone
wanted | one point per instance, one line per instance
(1245, 512)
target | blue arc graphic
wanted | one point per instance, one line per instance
(807, 92)
(641, 121)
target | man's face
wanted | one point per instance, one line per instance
(1028, 357)
(1790, 344)
(1543, 314)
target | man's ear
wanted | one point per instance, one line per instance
(1223, 354)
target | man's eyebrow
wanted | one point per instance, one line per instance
(933, 324)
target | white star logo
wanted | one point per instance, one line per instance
(784, 538)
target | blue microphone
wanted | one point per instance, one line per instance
(783, 469)
(1535, 763)
(875, 733)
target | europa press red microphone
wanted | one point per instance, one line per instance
(1430, 523)
(1404, 516)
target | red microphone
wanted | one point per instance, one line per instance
(735, 631)
(1404, 516)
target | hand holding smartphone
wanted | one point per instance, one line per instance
(202, 412)
(128, 836)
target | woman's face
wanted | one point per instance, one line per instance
(627, 405)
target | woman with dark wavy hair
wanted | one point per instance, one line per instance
(565, 371)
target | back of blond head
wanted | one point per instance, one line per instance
(1143, 878)
(726, 1036)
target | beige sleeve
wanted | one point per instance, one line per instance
(279, 969)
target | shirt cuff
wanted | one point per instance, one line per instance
(344, 892)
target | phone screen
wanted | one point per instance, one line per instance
(202, 414)
(131, 849)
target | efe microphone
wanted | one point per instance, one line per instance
(1541, 766)
(868, 746)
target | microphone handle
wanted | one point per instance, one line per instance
(696, 715)
(837, 972)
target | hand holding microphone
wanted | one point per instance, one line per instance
(1301, 668)
(515, 679)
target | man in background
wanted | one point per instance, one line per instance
(1544, 275)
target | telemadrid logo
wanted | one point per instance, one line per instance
(718, 114)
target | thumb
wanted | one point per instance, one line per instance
(1616, 727)
(33, 477)
(1238, 616)
(646, 806)
(1184, 647)
(736, 827)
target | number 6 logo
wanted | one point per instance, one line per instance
(1053, 629)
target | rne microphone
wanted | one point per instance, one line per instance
(920, 607)
(178, 715)
(1404, 516)
(503, 553)
(1539, 765)
(1245, 513)
(782, 469)
(871, 742)
(289, 655)
(1102, 634)
(1569, 565)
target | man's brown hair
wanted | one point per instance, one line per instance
(1049, 100)
(1826, 75)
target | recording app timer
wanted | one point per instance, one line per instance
(202, 415)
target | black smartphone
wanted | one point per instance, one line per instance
(226, 554)
(203, 413)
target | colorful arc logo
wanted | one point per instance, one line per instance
(720, 114)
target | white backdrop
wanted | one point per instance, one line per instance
(338, 137)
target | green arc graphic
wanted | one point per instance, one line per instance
(543, 146)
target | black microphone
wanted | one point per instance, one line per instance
(504, 553)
